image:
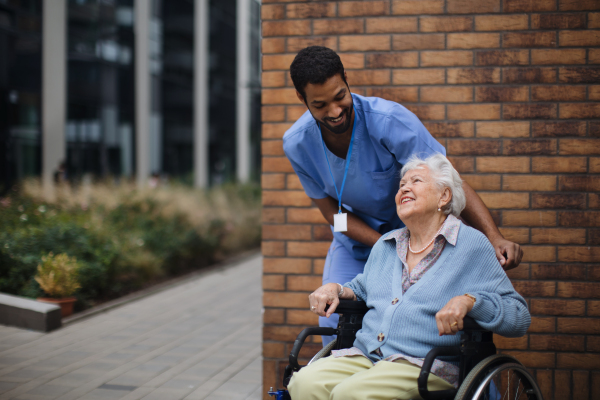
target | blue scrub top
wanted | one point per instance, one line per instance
(386, 135)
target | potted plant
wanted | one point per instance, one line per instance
(58, 276)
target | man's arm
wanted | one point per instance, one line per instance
(478, 216)
(357, 228)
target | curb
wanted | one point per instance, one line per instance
(109, 305)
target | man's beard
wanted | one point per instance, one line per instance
(339, 129)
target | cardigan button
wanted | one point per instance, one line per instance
(395, 301)
(380, 337)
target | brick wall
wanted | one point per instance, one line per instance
(510, 88)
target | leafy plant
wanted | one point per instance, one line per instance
(58, 275)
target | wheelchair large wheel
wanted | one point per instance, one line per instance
(324, 352)
(499, 377)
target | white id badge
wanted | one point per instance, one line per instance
(340, 222)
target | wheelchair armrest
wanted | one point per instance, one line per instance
(300, 341)
(351, 307)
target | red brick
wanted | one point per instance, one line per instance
(295, 112)
(558, 93)
(272, 148)
(544, 381)
(274, 62)
(529, 147)
(322, 232)
(529, 111)
(580, 254)
(391, 25)
(311, 10)
(273, 282)
(593, 20)
(502, 342)
(463, 164)
(473, 40)
(273, 181)
(305, 216)
(273, 249)
(529, 5)
(579, 110)
(594, 201)
(561, 272)
(431, 41)
(579, 74)
(272, 113)
(275, 11)
(273, 350)
(473, 147)
(501, 22)
(558, 236)
(579, 183)
(427, 112)
(293, 182)
(558, 129)
(446, 58)
(579, 146)
(557, 342)
(285, 28)
(450, 129)
(594, 239)
(501, 94)
(502, 57)
(483, 182)
(362, 8)
(523, 271)
(503, 129)
(473, 75)
(502, 200)
(562, 384)
(303, 283)
(581, 380)
(472, 7)
(559, 164)
(417, 7)
(286, 232)
(397, 94)
(474, 111)
(558, 21)
(503, 164)
(393, 60)
(283, 333)
(276, 164)
(318, 266)
(304, 249)
(528, 183)
(285, 198)
(273, 45)
(579, 361)
(542, 325)
(557, 307)
(593, 308)
(578, 5)
(594, 56)
(286, 265)
(569, 201)
(420, 76)
(302, 317)
(295, 44)
(594, 93)
(539, 254)
(446, 94)
(558, 56)
(365, 43)
(279, 96)
(369, 77)
(536, 359)
(445, 24)
(579, 219)
(337, 27)
(529, 75)
(274, 316)
(535, 289)
(529, 218)
(529, 39)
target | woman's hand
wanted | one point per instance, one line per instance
(320, 298)
(450, 318)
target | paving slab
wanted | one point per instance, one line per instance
(197, 339)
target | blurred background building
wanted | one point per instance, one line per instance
(129, 88)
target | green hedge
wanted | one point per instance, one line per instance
(123, 238)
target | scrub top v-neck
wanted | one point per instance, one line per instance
(386, 135)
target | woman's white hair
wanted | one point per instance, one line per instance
(444, 175)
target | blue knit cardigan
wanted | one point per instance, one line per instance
(409, 326)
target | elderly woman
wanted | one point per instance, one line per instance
(419, 282)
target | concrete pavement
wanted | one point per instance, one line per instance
(198, 340)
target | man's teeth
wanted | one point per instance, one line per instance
(337, 119)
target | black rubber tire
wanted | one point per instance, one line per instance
(493, 365)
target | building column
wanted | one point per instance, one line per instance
(243, 91)
(142, 91)
(201, 59)
(54, 90)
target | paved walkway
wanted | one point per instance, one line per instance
(198, 340)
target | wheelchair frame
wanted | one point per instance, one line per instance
(478, 361)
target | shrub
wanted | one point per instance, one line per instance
(58, 276)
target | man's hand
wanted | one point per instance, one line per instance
(320, 298)
(509, 254)
(450, 318)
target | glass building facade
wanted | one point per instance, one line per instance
(100, 121)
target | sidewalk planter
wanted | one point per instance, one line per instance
(65, 304)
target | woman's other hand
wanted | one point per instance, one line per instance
(320, 298)
(450, 318)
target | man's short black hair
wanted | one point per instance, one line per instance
(315, 65)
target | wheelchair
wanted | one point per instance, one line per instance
(484, 375)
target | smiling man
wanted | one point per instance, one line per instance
(347, 151)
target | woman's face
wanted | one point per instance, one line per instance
(418, 195)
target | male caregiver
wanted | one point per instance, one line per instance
(348, 151)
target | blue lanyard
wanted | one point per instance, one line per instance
(339, 194)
